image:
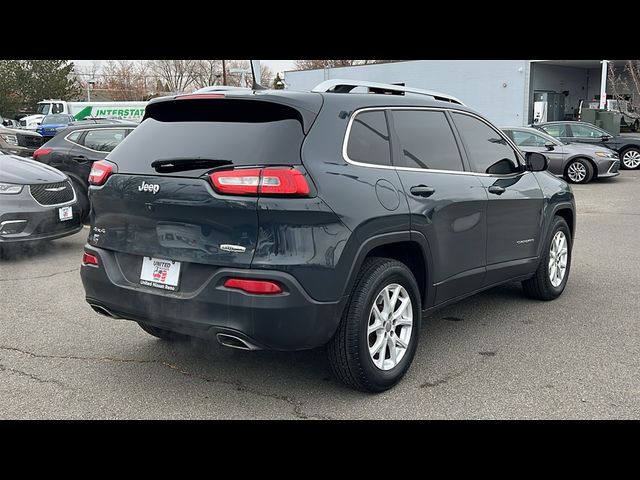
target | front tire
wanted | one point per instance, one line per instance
(552, 274)
(376, 340)
(630, 158)
(579, 171)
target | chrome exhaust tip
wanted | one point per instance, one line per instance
(103, 311)
(232, 341)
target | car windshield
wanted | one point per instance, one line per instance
(56, 119)
(43, 108)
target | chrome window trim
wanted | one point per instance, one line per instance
(70, 202)
(345, 142)
(66, 137)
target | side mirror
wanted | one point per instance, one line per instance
(536, 162)
(604, 138)
(550, 146)
(38, 123)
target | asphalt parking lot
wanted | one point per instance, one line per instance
(494, 355)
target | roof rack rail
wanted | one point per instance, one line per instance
(345, 86)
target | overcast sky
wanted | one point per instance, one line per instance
(276, 66)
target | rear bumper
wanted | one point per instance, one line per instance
(291, 320)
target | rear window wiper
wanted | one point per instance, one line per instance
(183, 164)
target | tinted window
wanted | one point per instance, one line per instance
(241, 131)
(75, 136)
(369, 139)
(103, 140)
(556, 130)
(489, 152)
(586, 131)
(426, 140)
(527, 139)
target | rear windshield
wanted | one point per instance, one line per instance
(240, 131)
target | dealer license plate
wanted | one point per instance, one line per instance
(160, 273)
(65, 213)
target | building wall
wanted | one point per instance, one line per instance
(478, 83)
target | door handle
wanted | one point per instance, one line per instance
(496, 190)
(422, 191)
(80, 159)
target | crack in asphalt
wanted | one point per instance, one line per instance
(22, 373)
(39, 276)
(238, 385)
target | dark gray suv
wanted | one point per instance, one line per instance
(291, 220)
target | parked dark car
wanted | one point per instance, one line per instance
(20, 142)
(288, 220)
(576, 162)
(52, 124)
(627, 146)
(37, 202)
(77, 147)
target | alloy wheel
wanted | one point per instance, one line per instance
(577, 172)
(631, 159)
(558, 255)
(389, 327)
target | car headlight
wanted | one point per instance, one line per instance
(10, 188)
(9, 138)
(606, 154)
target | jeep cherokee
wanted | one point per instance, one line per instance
(284, 220)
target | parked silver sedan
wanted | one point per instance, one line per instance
(576, 162)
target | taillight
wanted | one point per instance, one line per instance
(237, 182)
(265, 181)
(88, 259)
(41, 151)
(260, 287)
(100, 171)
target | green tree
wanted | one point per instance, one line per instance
(23, 83)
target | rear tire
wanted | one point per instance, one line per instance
(630, 158)
(541, 285)
(162, 333)
(361, 330)
(579, 170)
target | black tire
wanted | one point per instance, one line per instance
(348, 350)
(632, 151)
(162, 333)
(579, 163)
(83, 200)
(539, 286)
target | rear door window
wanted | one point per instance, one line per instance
(369, 139)
(426, 140)
(104, 140)
(555, 130)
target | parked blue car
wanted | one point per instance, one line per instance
(51, 124)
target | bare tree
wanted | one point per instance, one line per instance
(625, 80)
(178, 75)
(235, 79)
(123, 80)
(317, 64)
(208, 72)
